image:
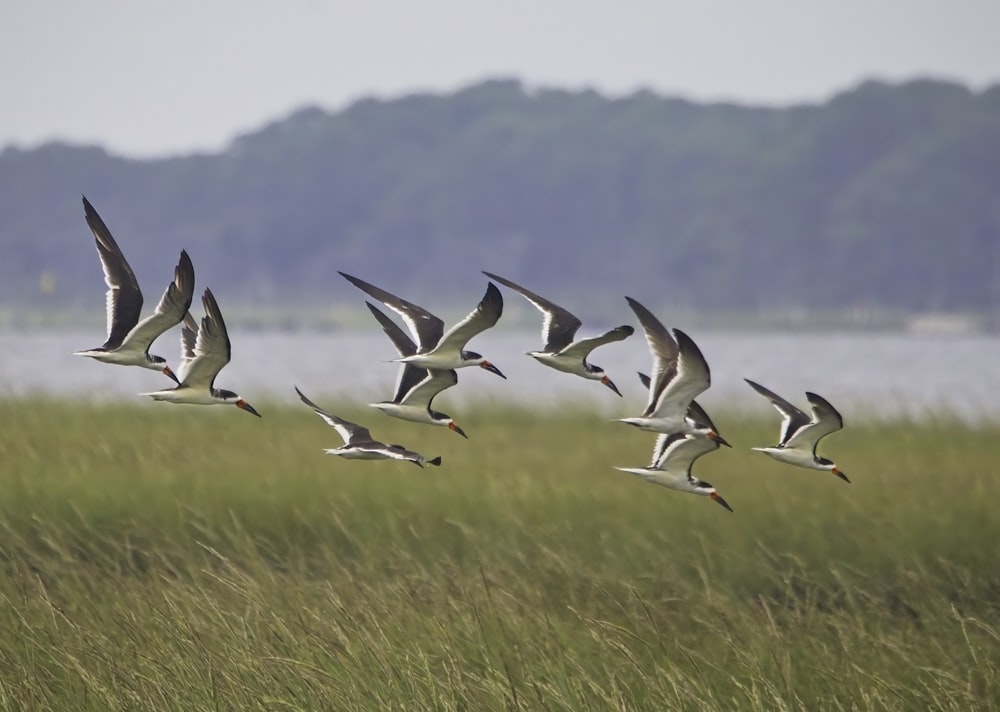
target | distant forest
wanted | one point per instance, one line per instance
(885, 197)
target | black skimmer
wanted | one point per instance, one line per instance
(673, 457)
(437, 349)
(415, 386)
(559, 326)
(697, 415)
(358, 443)
(205, 352)
(800, 434)
(680, 374)
(129, 339)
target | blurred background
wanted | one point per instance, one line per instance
(829, 172)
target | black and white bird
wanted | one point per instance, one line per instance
(415, 386)
(680, 374)
(673, 456)
(205, 351)
(559, 326)
(358, 442)
(437, 349)
(801, 433)
(129, 339)
(696, 414)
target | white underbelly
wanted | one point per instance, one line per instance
(187, 396)
(416, 414)
(353, 454)
(801, 458)
(560, 363)
(121, 358)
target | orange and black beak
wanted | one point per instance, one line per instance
(454, 426)
(610, 384)
(718, 438)
(243, 405)
(492, 369)
(169, 373)
(720, 500)
(841, 475)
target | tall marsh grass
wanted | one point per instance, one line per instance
(179, 558)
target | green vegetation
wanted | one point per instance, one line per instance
(881, 200)
(177, 558)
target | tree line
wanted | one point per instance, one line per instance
(886, 196)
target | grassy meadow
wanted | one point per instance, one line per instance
(180, 558)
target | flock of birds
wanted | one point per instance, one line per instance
(428, 366)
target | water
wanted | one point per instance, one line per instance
(869, 374)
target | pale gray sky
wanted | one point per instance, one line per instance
(146, 78)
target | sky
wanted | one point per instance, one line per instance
(156, 79)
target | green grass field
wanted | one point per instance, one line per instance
(180, 558)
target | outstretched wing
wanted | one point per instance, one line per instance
(124, 298)
(189, 337)
(825, 420)
(695, 412)
(679, 456)
(664, 351)
(793, 419)
(350, 432)
(485, 315)
(398, 452)
(425, 327)
(212, 349)
(663, 442)
(691, 380)
(409, 376)
(403, 343)
(558, 325)
(583, 347)
(172, 307)
(422, 392)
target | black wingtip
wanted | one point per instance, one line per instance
(646, 317)
(377, 313)
(89, 211)
(493, 296)
(436, 461)
(816, 397)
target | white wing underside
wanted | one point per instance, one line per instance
(433, 383)
(459, 335)
(675, 397)
(211, 349)
(806, 437)
(678, 457)
(582, 348)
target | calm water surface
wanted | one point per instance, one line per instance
(862, 374)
